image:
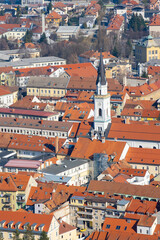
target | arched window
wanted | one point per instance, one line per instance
(100, 112)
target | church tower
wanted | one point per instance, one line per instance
(102, 111)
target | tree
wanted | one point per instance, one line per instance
(144, 75)
(28, 234)
(28, 36)
(18, 12)
(49, 7)
(44, 236)
(16, 235)
(43, 38)
(4, 43)
(128, 48)
(1, 236)
(115, 52)
(84, 25)
(2, 12)
(53, 36)
(137, 23)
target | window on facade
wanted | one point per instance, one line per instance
(108, 226)
(10, 235)
(118, 227)
(100, 112)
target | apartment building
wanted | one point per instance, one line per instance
(90, 210)
(15, 189)
(29, 114)
(35, 127)
(47, 86)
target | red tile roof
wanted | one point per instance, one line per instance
(112, 188)
(142, 156)
(53, 15)
(155, 20)
(86, 148)
(25, 217)
(135, 132)
(116, 22)
(65, 227)
(12, 181)
(141, 207)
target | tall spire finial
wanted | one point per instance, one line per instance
(101, 78)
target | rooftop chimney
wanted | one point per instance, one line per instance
(103, 139)
(127, 121)
(1, 179)
(56, 144)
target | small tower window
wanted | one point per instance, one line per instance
(100, 112)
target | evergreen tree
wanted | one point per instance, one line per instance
(144, 75)
(137, 23)
(115, 52)
(49, 7)
(18, 12)
(2, 12)
(43, 38)
(44, 236)
(28, 36)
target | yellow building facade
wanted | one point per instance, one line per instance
(46, 92)
(146, 50)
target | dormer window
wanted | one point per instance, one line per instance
(10, 224)
(33, 226)
(2, 223)
(40, 228)
(25, 226)
(17, 225)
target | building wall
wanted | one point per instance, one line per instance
(45, 92)
(153, 169)
(144, 54)
(69, 235)
(6, 100)
(8, 201)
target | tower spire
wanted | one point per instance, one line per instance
(101, 78)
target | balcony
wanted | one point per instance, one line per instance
(20, 198)
(6, 208)
(84, 212)
(6, 201)
(84, 218)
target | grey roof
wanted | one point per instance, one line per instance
(48, 82)
(36, 124)
(66, 165)
(86, 19)
(122, 202)
(101, 78)
(5, 156)
(31, 61)
(68, 29)
(152, 62)
(148, 41)
(54, 178)
(101, 199)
